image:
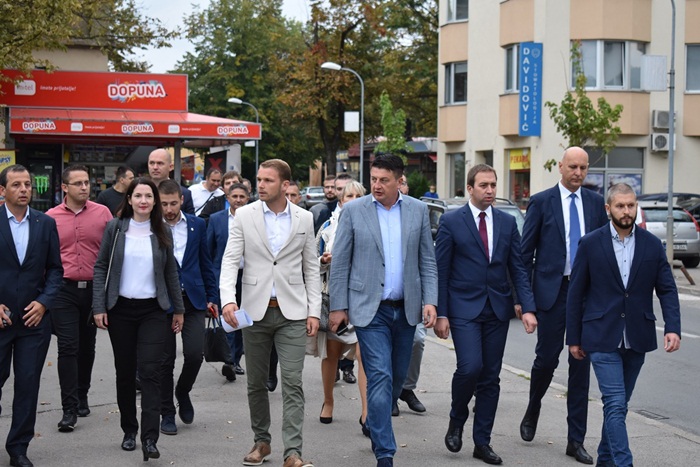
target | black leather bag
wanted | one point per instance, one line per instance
(325, 312)
(216, 348)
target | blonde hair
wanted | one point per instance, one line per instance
(353, 185)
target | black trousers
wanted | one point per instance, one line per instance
(70, 314)
(192, 350)
(137, 329)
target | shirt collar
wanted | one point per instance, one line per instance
(565, 193)
(12, 216)
(398, 200)
(616, 236)
(266, 209)
(476, 211)
(181, 219)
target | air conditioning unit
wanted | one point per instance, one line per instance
(660, 119)
(659, 142)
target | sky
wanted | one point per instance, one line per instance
(170, 12)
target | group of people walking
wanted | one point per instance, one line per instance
(154, 270)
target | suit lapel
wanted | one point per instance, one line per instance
(6, 233)
(259, 223)
(33, 230)
(372, 219)
(587, 209)
(470, 223)
(496, 227)
(294, 212)
(557, 211)
(639, 251)
(191, 247)
(610, 256)
(406, 215)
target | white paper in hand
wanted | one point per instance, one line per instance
(243, 321)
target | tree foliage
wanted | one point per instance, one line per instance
(114, 26)
(578, 120)
(394, 125)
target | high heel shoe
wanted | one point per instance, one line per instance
(129, 442)
(365, 428)
(325, 420)
(150, 451)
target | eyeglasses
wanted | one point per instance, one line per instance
(79, 184)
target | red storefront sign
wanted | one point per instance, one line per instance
(136, 124)
(92, 90)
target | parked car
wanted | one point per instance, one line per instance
(677, 197)
(311, 196)
(692, 205)
(686, 230)
(438, 207)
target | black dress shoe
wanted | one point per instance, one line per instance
(185, 407)
(238, 369)
(349, 377)
(578, 452)
(486, 454)
(528, 426)
(229, 372)
(395, 410)
(20, 461)
(365, 428)
(271, 384)
(385, 462)
(409, 397)
(83, 408)
(129, 442)
(453, 438)
(150, 451)
(68, 422)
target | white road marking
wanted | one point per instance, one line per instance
(683, 334)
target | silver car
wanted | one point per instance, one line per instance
(686, 231)
(312, 196)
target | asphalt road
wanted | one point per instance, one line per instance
(667, 388)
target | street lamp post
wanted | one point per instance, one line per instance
(336, 67)
(671, 137)
(235, 100)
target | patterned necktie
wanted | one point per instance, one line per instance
(483, 234)
(574, 229)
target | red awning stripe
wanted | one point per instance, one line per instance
(132, 124)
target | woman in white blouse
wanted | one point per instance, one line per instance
(135, 283)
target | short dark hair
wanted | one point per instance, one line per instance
(329, 178)
(293, 183)
(169, 187)
(619, 189)
(390, 162)
(238, 186)
(211, 172)
(122, 170)
(65, 175)
(343, 176)
(282, 168)
(479, 168)
(230, 174)
(12, 168)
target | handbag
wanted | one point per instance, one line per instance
(325, 312)
(216, 348)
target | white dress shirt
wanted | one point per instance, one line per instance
(179, 231)
(278, 228)
(565, 207)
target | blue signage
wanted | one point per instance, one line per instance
(530, 103)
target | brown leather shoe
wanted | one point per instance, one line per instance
(258, 454)
(295, 461)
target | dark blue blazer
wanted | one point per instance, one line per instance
(544, 240)
(40, 276)
(197, 270)
(217, 236)
(599, 307)
(465, 277)
(187, 203)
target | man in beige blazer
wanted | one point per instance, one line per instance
(282, 294)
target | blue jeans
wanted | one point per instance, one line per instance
(617, 374)
(385, 344)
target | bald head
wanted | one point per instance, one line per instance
(573, 168)
(159, 165)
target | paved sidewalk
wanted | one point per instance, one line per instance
(220, 434)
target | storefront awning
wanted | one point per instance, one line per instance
(129, 126)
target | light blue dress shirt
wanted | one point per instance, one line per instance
(624, 254)
(390, 227)
(20, 233)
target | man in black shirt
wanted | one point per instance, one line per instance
(112, 197)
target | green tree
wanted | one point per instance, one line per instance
(578, 120)
(115, 26)
(394, 124)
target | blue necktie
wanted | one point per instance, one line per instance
(574, 229)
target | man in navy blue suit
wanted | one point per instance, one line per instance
(31, 275)
(160, 163)
(610, 312)
(477, 250)
(556, 219)
(199, 292)
(220, 224)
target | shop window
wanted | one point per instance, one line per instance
(456, 83)
(622, 164)
(458, 180)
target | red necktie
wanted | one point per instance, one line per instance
(483, 234)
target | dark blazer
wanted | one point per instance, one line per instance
(40, 276)
(187, 204)
(217, 236)
(599, 307)
(168, 291)
(465, 277)
(214, 205)
(544, 240)
(197, 270)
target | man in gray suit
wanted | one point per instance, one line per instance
(384, 281)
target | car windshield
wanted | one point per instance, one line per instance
(659, 215)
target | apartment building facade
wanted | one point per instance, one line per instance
(482, 58)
